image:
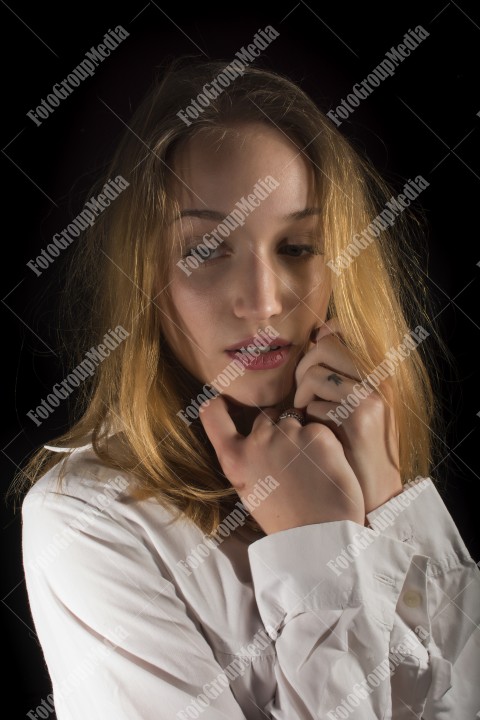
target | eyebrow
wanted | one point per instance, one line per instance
(216, 215)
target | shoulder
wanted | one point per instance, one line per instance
(78, 478)
(81, 494)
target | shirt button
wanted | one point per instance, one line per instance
(412, 599)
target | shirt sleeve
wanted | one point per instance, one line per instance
(441, 595)
(369, 622)
(117, 639)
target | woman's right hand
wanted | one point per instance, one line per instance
(316, 483)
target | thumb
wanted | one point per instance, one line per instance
(221, 430)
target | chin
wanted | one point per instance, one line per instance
(265, 395)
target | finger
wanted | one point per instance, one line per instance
(219, 426)
(325, 413)
(265, 419)
(289, 416)
(328, 327)
(331, 352)
(321, 382)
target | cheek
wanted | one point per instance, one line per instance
(192, 310)
(317, 288)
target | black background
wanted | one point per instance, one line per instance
(423, 120)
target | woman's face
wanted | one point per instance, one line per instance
(262, 274)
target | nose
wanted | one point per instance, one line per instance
(257, 289)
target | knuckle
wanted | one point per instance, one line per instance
(321, 435)
(312, 372)
(299, 372)
(296, 376)
(375, 405)
(310, 376)
(369, 415)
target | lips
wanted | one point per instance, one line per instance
(277, 342)
(261, 360)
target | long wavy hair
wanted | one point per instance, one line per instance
(117, 268)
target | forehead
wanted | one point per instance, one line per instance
(217, 167)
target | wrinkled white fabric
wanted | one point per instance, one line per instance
(281, 626)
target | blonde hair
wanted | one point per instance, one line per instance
(121, 261)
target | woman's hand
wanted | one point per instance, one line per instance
(316, 483)
(368, 435)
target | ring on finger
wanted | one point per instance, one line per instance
(293, 414)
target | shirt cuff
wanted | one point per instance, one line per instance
(418, 516)
(327, 566)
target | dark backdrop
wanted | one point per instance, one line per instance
(423, 120)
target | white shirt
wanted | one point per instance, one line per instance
(282, 626)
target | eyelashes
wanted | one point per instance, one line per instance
(309, 249)
(293, 251)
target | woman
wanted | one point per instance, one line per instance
(241, 525)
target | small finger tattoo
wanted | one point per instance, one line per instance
(334, 378)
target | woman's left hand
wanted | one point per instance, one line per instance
(368, 434)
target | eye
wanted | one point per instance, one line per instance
(194, 252)
(191, 248)
(298, 251)
(206, 254)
